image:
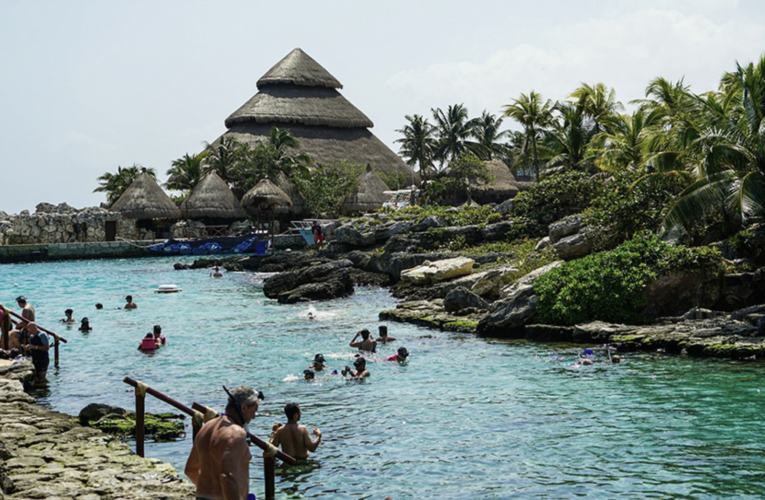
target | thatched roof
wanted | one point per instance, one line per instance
(369, 195)
(212, 198)
(313, 106)
(324, 144)
(144, 199)
(298, 68)
(291, 190)
(265, 194)
(299, 95)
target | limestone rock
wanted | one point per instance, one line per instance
(351, 235)
(461, 298)
(96, 411)
(543, 243)
(510, 314)
(493, 281)
(320, 282)
(573, 246)
(526, 281)
(565, 227)
(441, 270)
(427, 223)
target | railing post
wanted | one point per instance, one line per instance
(55, 352)
(268, 475)
(139, 412)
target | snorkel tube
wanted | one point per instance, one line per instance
(239, 412)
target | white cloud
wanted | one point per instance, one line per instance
(624, 51)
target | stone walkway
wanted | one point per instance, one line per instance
(48, 455)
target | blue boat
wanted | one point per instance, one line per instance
(223, 245)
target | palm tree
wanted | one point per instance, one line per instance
(116, 184)
(598, 103)
(487, 134)
(535, 116)
(453, 130)
(222, 157)
(624, 143)
(185, 172)
(570, 138)
(730, 150)
(288, 159)
(279, 154)
(418, 145)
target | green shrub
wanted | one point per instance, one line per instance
(556, 197)
(608, 285)
(493, 218)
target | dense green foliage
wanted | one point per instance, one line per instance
(326, 186)
(556, 197)
(116, 184)
(466, 168)
(464, 217)
(608, 285)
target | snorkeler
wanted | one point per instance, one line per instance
(309, 374)
(318, 363)
(400, 355)
(85, 325)
(361, 369)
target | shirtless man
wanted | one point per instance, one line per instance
(294, 439)
(216, 273)
(20, 335)
(366, 343)
(360, 372)
(384, 338)
(130, 304)
(219, 462)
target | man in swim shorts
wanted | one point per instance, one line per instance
(293, 438)
(366, 343)
(38, 347)
(219, 462)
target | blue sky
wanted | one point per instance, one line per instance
(89, 85)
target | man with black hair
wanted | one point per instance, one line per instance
(294, 439)
(361, 369)
(219, 462)
(367, 343)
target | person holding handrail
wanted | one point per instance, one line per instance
(219, 462)
(38, 347)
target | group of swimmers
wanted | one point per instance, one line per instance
(368, 345)
(25, 338)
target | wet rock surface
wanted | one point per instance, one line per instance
(48, 455)
(326, 281)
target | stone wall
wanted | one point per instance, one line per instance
(46, 454)
(60, 224)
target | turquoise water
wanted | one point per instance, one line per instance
(465, 418)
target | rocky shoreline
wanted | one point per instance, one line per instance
(45, 454)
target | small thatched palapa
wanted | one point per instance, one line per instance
(503, 186)
(211, 198)
(370, 194)
(144, 199)
(265, 194)
(299, 95)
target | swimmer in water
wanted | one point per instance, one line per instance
(216, 273)
(309, 375)
(366, 343)
(384, 338)
(69, 318)
(400, 355)
(99, 306)
(361, 369)
(130, 304)
(318, 363)
(311, 316)
(85, 325)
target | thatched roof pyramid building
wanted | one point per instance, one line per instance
(298, 94)
(211, 198)
(144, 199)
(369, 195)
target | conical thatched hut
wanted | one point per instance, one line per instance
(298, 94)
(149, 205)
(368, 196)
(503, 185)
(265, 194)
(298, 201)
(212, 201)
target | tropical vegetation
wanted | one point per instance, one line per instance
(114, 184)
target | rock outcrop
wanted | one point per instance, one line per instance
(326, 281)
(441, 270)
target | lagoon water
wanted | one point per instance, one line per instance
(466, 418)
